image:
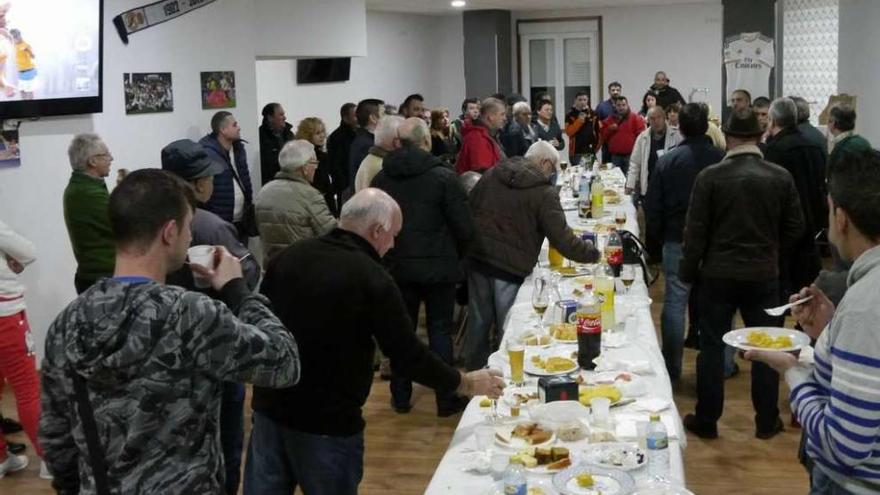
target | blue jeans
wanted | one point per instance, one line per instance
(621, 162)
(675, 301)
(490, 300)
(232, 433)
(280, 459)
(822, 484)
(439, 308)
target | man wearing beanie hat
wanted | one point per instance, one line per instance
(188, 160)
(744, 214)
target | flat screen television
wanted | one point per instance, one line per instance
(50, 57)
(319, 70)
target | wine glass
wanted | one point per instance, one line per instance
(627, 276)
(620, 218)
(541, 299)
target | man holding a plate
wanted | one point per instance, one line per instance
(838, 398)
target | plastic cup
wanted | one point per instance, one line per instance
(642, 433)
(203, 256)
(600, 409)
(484, 435)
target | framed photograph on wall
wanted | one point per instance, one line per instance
(148, 92)
(218, 90)
(10, 153)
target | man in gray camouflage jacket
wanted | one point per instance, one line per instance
(149, 359)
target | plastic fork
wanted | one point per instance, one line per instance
(779, 310)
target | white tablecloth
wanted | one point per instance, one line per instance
(452, 475)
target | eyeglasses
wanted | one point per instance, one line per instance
(108, 155)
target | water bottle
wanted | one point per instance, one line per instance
(584, 186)
(515, 479)
(657, 442)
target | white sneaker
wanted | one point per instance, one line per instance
(12, 464)
(44, 471)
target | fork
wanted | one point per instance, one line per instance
(779, 310)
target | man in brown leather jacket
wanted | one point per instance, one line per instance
(744, 214)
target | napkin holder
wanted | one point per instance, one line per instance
(554, 388)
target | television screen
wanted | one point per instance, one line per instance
(317, 70)
(50, 57)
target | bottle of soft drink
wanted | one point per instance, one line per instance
(657, 442)
(589, 328)
(614, 252)
(603, 281)
(575, 184)
(598, 197)
(515, 479)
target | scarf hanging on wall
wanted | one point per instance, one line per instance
(140, 18)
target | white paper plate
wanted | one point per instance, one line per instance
(545, 484)
(560, 412)
(740, 338)
(531, 369)
(606, 481)
(516, 443)
(623, 456)
(634, 387)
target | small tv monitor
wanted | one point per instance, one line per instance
(50, 57)
(320, 70)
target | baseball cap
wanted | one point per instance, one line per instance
(188, 159)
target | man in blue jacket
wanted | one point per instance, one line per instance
(233, 195)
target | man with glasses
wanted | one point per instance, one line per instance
(85, 210)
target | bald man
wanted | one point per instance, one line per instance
(426, 262)
(311, 435)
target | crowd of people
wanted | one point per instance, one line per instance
(143, 381)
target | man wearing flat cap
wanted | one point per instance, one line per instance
(744, 214)
(188, 160)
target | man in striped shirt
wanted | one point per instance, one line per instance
(838, 398)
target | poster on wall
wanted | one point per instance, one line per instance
(218, 90)
(148, 92)
(10, 154)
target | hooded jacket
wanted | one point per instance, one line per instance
(222, 202)
(153, 358)
(438, 224)
(479, 150)
(288, 210)
(515, 208)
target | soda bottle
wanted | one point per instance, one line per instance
(589, 329)
(598, 197)
(515, 479)
(575, 185)
(614, 252)
(603, 281)
(657, 443)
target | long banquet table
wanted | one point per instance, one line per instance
(641, 348)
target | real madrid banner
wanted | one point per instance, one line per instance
(141, 18)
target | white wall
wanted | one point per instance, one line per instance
(406, 53)
(684, 40)
(858, 66)
(323, 28)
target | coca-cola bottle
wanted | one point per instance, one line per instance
(614, 252)
(589, 329)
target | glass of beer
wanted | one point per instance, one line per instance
(628, 276)
(620, 219)
(555, 258)
(516, 352)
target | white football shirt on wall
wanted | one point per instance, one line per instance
(748, 60)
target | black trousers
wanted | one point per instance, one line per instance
(439, 302)
(719, 299)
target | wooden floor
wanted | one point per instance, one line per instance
(402, 451)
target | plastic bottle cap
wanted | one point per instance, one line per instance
(655, 416)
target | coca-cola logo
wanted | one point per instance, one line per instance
(590, 324)
(614, 255)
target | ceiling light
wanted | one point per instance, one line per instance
(458, 3)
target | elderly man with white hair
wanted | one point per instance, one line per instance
(85, 210)
(651, 144)
(312, 435)
(426, 261)
(386, 142)
(515, 207)
(289, 208)
(520, 134)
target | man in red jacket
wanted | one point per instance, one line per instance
(620, 131)
(480, 149)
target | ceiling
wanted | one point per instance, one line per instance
(443, 6)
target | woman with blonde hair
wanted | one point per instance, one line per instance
(313, 130)
(441, 137)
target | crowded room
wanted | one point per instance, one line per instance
(442, 247)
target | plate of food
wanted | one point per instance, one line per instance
(532, 339)
(766, 339)
(543, 460)
(572, 271)
(612, 196)
(623, 456)
(539, 365)
(584, 479)
(569, 203)
(564, 333)
(537, 486)
(518, 396)
(629, 384)
(587, 393)
(522, 435)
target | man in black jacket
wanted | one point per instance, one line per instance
(744, 215)
(338, 147)
(311, 435)
(274, 132)
(808, 130)
(515, 207)
(666, 95)
(666, 205)
(805, 160)
(368, 113)
(425, 261)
